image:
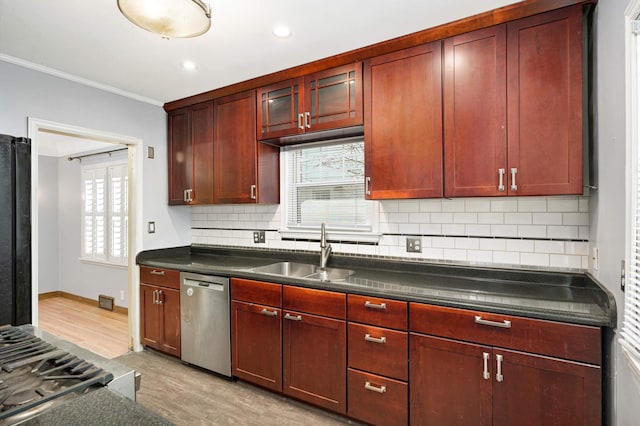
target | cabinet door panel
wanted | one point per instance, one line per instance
(447, 383)
(278, 108)
(256, 332)
(315, 364)
(403, 124)
(335, 98)
(150, 317)
(475, 112)
(180, 164)
(202, 142)
(541, 391)
(236, 149)
(171, 320)
(545, 102)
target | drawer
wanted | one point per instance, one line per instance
(161, 277)
(256, 292)
(369, 403)
(562, 340)
(377, 311)
(379, 350)
(312, 301)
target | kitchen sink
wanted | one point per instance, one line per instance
(304, 270)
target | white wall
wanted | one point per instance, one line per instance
(48, 223)
(28, 93)
(607, 205)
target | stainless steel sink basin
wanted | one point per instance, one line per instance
(304, 270)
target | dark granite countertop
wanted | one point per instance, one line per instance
(98, 407)
(570, 297)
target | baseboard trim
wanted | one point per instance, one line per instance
(86, 301)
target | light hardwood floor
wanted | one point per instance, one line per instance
(98, 330)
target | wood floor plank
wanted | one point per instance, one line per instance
(98, 330)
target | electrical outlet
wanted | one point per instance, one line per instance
(258, 237)
(414, 245)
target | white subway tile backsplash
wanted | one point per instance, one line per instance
(504, 205)
(465, 218)
(532, 231)
(491, 218)
(517, 232)
(517, 218)
(431, 205)
(453, 205)
(562, 205)
(441, 217)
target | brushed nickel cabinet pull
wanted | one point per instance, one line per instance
(367, 184)
(307, 120)
(485, 371)
(369, 338)
(369, 386)
(514, 187)
(300, 118)
(293, 317)
(253, 192)
(269, 313)
(499, 376)
(501, 182)
(503, 324)
(156, 272)
(160, 297)
(381, 306)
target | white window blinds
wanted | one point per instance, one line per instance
(325, 183)
(105, 213)
(631, 325)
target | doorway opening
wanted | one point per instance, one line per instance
(65, 225)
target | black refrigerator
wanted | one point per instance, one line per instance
(15, 230)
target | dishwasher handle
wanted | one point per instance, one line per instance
(204, 284)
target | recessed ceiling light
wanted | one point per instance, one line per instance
(281, 31)
(189, 65)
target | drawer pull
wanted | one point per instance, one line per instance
(485, 372)
(369, 386)
(370, 305)
(269, 313)
(499, 376)
(501, 324)
(369, 338)
(156, 272)
(293, 317)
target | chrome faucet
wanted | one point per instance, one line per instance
(325, 249)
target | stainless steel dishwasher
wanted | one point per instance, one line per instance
(205, 322)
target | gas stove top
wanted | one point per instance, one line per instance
(35, 374)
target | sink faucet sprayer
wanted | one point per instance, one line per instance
(325, 249)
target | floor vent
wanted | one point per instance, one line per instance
(105, 302)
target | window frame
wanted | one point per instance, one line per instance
(336, 232)
(106, 167)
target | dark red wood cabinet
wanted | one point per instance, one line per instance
(160, 309)
(460, 379)
(324, 100)
(256, 332)
(245, 171)
(513, 108)
(191, 154)
(403, 124)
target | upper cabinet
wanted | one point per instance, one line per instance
(403, 124)
(324, 100)
(245, 171)
(513, 108)
(191, 154)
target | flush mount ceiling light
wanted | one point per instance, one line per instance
(169, 18)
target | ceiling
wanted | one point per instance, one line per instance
(91, 42)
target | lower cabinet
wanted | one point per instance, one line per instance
(455, 382)
(387, 362)
(160, 309)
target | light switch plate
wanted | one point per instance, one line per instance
(151, 227)
(414, 245)
(151, 152)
